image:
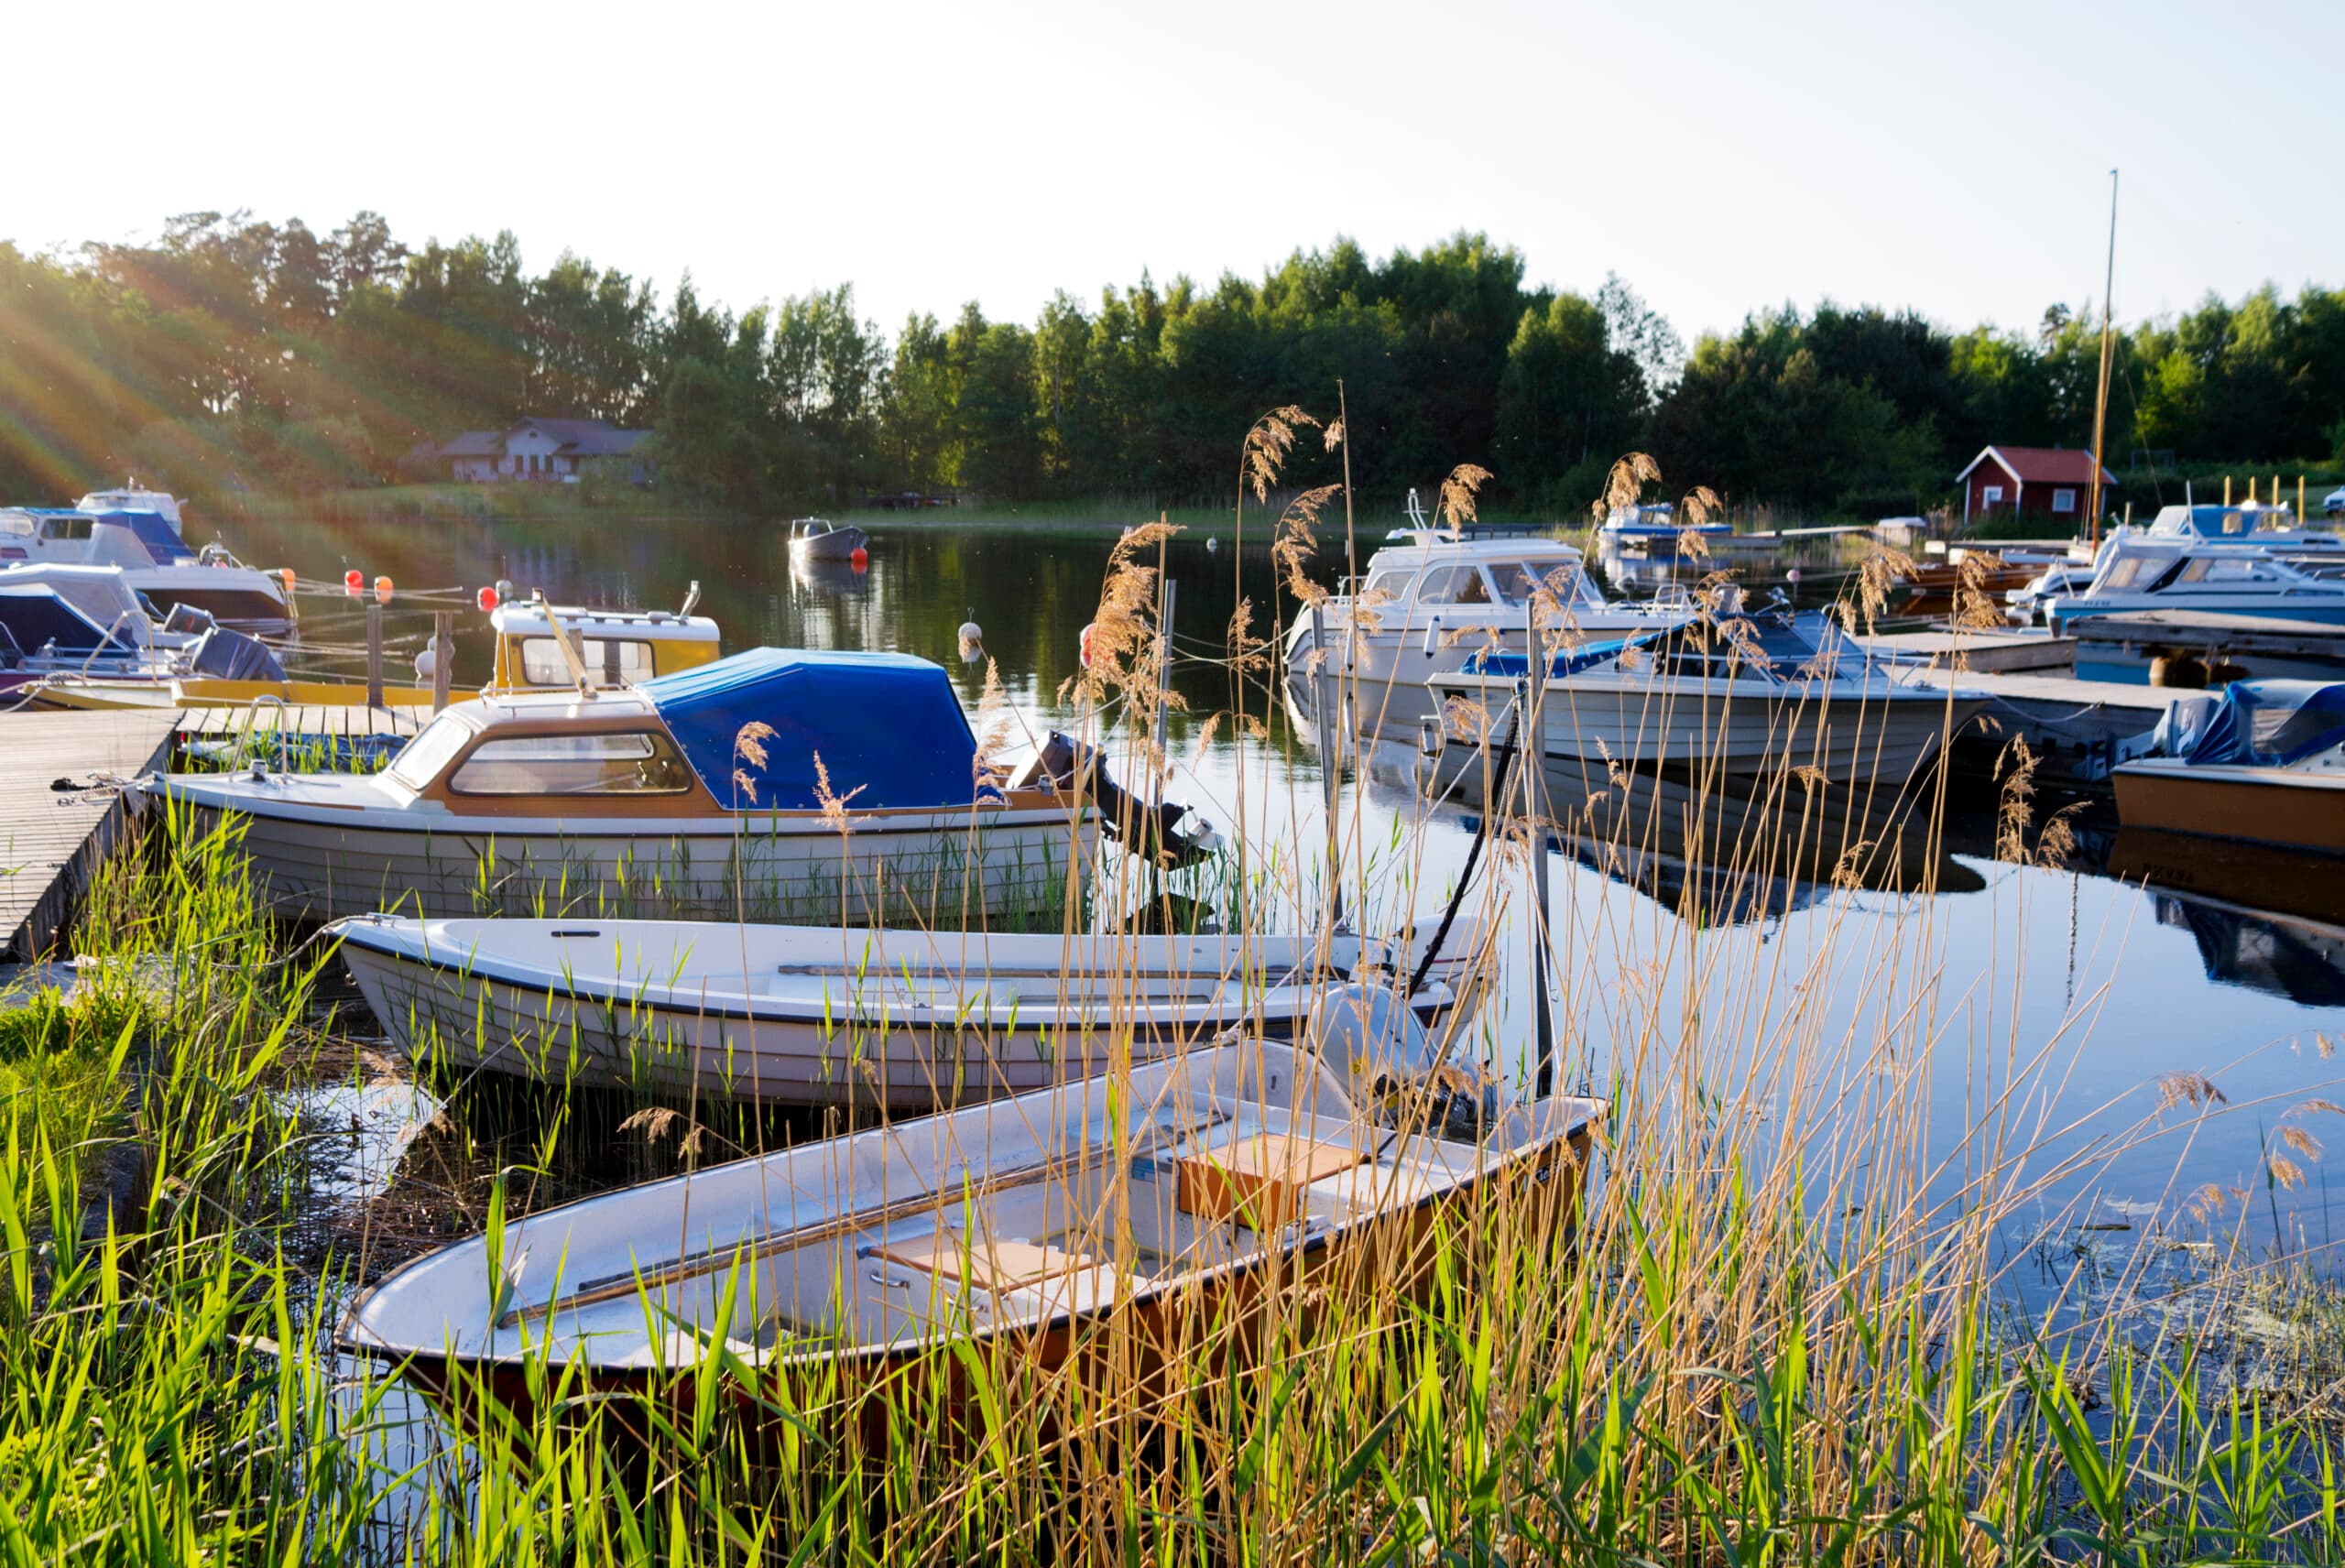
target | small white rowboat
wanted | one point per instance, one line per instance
(813, 1015)
(1024, 1228)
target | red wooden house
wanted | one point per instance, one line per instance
(2035, 481)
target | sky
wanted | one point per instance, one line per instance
(1721, 158)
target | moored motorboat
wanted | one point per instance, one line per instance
(775, 784)
(818, 538)
(2263, 763)
(814, 1015)
(2185, 572)
(1125, 1211)
(1429, 603)
(155, 562)
(1739, 694)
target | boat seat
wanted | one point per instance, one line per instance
(1260, 1179)
(1036, 1276)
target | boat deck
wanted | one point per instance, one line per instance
(55, 838)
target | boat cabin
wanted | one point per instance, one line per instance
(886, 730)
(64, 534)
(1437, 571)
(2274, 527)
(618, 647)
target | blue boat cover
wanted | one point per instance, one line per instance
(2269, 724)
(888, 728)
(1567, 661)
(32, 615)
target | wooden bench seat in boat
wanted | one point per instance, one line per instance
(1260, 1179)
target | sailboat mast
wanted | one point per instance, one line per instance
(2100, 400)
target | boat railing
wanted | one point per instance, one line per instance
(252, 715)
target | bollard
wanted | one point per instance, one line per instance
(443, 654)
(374, 656)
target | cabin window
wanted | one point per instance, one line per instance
(2220, 571)
(65, 528)
(2063, 500)
(1518, 580)
(1441, 584)
(1991, 495)
(2124, 573)
(20, 526)
(634, 764)
(1392, 580)
(610, 661)
(420, 759)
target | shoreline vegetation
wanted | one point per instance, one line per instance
(1777, 1327)
(232, 354)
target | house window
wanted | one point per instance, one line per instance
(1992, 495)
(2063, 500)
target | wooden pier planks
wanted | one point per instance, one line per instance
(50, 841)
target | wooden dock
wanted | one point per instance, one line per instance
(53, 838)
(338, 722)
(1990, 648)
(2078, 729)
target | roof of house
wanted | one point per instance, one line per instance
(475, 444)
(587, 438)
(2040, 464)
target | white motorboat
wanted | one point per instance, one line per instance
(697, 794)
(136, 497)
(2185, 572)
(1429, 604)
(813, 1015)
(1656, 522)
(1172, 1196)
(818, 538)
(1741, 695)
(156, 563)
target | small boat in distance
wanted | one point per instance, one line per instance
(818, 538)
(1649, 522)
(873, 1269)
(698, 794)
(815, 1015)
(2264, 762)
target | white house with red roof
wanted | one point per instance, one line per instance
(2052, 482)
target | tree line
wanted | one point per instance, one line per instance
(236, 354)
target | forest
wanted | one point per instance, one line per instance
(235, 354)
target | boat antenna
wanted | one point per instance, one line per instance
(2100, 401)
(692, 597)
(562, 640)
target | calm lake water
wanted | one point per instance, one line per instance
(2232, 968)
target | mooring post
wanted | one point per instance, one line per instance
(1164, 669)
(374, 656)
(1331, 762)
(1530, 744)
(443, 654)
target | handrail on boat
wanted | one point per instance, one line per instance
(252, 713)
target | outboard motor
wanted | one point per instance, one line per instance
(1166, 832)
(228, 655)
(1369, 1037)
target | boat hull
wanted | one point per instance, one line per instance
(320, 864)
(2286, 807)
(838, 545)
(873, 1026)
(1885, 735)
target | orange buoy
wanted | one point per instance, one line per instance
(1083, 645)
(382, 590)
(860, 560)
(284, 575)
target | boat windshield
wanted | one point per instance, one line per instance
(1391, 581)
(420, 759)
(2226, 569)
(1566, 579)
(636, 763)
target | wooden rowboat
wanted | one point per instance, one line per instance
(813, 1015)
(1107, 1213)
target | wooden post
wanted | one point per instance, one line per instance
(1164, 669)
(374, 656)
(2226, 489)
(1331, 762)
(443, 654)
(1530, 750)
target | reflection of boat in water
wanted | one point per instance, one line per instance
(826, 575)
(818, 538)
(2263, 916)
(1735, 849)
